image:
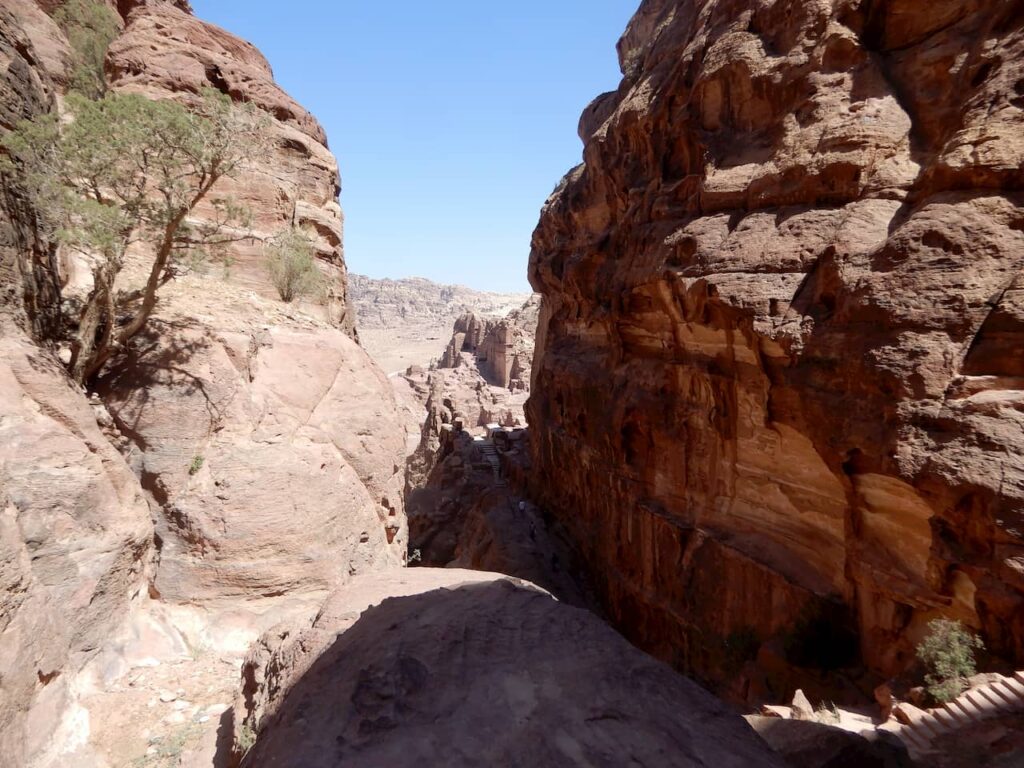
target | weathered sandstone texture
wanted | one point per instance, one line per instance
(460, 668)
(165, 52)
(244, 459)
(76, 545)
(779, 378)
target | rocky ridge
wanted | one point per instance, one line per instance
(404, 322)
(778, 386)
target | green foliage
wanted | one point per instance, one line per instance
(168, 749)
(90, 28)
(196, 465)
(291, 262)
(129, 171)
(948, 654)
(246, 738)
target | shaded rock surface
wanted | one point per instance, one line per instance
(467, 514)
(778, 370)
(814, 745)
(462, 668)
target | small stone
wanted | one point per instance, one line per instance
(885, 700)
(802, 709)
(167, 697)
(907, 714)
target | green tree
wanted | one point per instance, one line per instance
(90, 28)
(948, 654)
(129, 172)
(291, 262)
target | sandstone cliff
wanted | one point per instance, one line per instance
(242, 460)
(501, 349)
(777, 393)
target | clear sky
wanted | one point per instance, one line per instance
(452, 120)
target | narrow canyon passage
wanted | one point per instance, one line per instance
(739, 483)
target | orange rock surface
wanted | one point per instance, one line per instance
(779, 371)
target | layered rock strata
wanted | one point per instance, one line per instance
(777, 387)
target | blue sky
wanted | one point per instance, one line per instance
(452, 120)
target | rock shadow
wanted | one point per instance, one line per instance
(493, 673)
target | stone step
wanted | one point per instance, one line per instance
(914, 740)
(971, 712)
(982, 704)
(1019, 676)
(929, 727)
(990, 696)
(947, 718)
(960, 715)
(1015, 687)
(1004, 695)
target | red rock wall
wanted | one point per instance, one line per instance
(779, 364)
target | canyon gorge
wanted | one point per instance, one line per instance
(761, 422)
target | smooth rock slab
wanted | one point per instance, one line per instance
(471, 669)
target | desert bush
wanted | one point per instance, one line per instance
(90, 28)
(948, 654)
(128, 171)
(291, 262)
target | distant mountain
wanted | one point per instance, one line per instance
(383, 304)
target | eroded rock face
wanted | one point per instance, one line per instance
(500, 349)
(463, 668)
(76, 546)
(266, 437)
(778, 370)
(165, 52)
(407, 322)
(274, 454)
(32, 52)
(265, 444)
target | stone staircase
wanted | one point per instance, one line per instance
(490, 453)
(1002, 697)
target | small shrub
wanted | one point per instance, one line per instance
(291, 263)
(196, 465)
(246, 738)
(948, 654)
(90, 28)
